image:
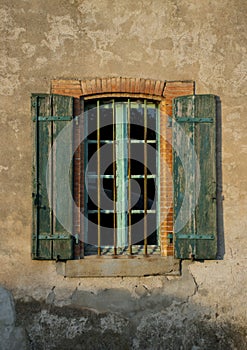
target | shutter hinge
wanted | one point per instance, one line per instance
(53, 237)
(53, 118)
(193, 236)
(194, 120)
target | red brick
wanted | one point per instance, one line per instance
(142, 86)
(147, 86)
(104, 84)
(93, 86)
(122, 84)
(98, 85)
(108, 85)
(152, 86)
(113, 85)
(137, 85)
(84, 87)
(89, 87)
(118, 84)
(127, 85)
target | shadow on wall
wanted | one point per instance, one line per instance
(113, 319)
(219, 179)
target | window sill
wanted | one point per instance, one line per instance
(92, 266)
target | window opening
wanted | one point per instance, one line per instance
(121, 177)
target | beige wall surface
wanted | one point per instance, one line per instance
(204, 41)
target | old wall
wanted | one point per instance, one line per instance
(203, 41)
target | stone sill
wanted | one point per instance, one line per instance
(93, 266)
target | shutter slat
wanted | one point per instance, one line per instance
(50, 239)
(194, 176)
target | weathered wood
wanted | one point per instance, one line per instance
(62, 248)
(194, 177)
(45, 222)
(41, 106)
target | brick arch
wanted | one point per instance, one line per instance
(110, 86)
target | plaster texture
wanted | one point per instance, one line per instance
(196, 40)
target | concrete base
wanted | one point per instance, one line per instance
(119, 267)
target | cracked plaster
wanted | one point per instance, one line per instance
(200, 40)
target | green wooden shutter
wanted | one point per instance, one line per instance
(51, 113)
(194, 176)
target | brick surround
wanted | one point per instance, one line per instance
(163, 91)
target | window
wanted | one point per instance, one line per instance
(121, 177)
(143, 177)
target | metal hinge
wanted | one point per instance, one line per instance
(194, 120)
(53, 237)
(193, 236)
(53, 118)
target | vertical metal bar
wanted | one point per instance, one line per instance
(129, 182)
(194, 229)
(85, 184)
(81, 122)
(98, 173)
(157, 187)
(114, 176)
(52, 216)
(37, 174)
(145, 177)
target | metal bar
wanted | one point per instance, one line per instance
(135, 211)
(157, 176)
(142, 141)
(52, 217)
(98, 172)
(153, 176)
(101, 141)
(95, 176)
(103, 211)
(194, 120)
(54, 118)
(129, 182)
(194, 229)
(139, 211)
(114, 177)
(85, 184)
(145, 178)
(194, 236)
(54, 237)
(37, 173)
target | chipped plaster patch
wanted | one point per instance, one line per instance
(240, 74)
(14, 124)
(5, 168)
(41, 61)
(62, 28)
(9, 75)
(8, 26)
(28, 49)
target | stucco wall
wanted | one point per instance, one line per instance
(196, 40)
